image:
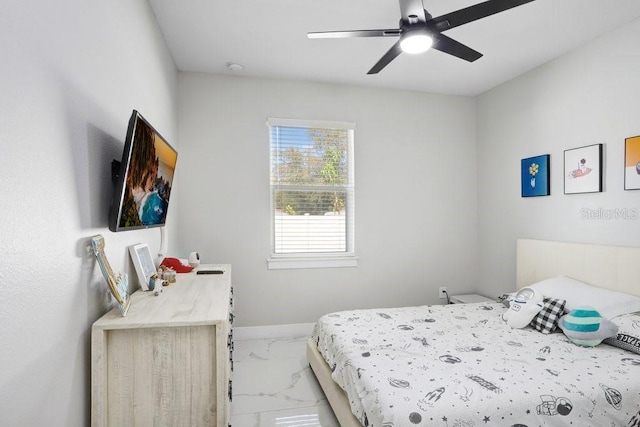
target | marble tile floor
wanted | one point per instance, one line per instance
(273, 385)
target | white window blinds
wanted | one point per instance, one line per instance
(312, 187)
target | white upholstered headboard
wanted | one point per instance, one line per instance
(610, 267)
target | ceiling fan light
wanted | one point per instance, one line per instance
(416, 42)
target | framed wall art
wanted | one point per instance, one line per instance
(142, 261)
(118, 284)
(583, 169)
(534, 176)
(632, 163)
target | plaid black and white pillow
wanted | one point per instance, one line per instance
(546, 321)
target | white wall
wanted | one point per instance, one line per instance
(589, 96)
(414, 156)
(72, 71)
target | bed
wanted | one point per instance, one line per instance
(461, 365)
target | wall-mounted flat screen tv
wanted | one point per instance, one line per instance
(144, 178)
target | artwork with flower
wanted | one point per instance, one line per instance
(535, 176)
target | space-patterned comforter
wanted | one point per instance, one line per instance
(461, 365)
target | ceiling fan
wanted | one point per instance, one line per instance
(419, 31)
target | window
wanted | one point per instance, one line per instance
(312, 194)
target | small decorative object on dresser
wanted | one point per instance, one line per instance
(468, 298)
(194, 259)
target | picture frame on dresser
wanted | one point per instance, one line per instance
(118, 284)
(143, 263)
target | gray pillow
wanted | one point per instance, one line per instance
(628, 336)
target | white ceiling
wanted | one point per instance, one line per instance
(268, 38)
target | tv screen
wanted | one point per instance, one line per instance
(144, 180)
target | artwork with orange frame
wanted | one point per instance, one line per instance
(632, 163)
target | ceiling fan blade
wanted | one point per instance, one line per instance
(353, 33)
(448, 45)
(473, 13)
(387, 58)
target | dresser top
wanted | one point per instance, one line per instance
(194, 299)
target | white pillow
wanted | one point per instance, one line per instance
(609, 303)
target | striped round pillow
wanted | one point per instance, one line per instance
(585, 326)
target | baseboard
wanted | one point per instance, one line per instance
(273, 331)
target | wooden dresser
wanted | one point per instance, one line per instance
(169, 361)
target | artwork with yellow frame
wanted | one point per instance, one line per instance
(632, 163)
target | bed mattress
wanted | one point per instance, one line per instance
(461, 365)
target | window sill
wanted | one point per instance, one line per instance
(288, 263)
